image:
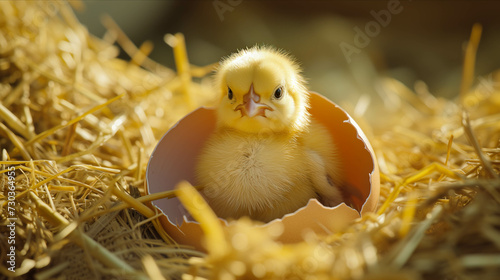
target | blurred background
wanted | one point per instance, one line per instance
(408, 40)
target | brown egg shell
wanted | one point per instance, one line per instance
(174, 160)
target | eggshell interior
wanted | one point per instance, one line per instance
(174, 159)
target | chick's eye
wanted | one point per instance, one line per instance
(229, 94)
(278, 93)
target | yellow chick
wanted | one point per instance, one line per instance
(267, 156)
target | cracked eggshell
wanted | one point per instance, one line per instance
(174, 159)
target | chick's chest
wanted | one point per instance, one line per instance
(267, 158)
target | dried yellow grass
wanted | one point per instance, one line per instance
(78, 125)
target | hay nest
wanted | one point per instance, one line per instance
(78, 124)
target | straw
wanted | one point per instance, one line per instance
(78, 124)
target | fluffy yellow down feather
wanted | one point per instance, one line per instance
(267, 157)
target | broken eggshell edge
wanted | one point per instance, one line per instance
(175, 156)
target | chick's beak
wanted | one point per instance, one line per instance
(251, 106)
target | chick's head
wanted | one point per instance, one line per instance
(261, 91)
